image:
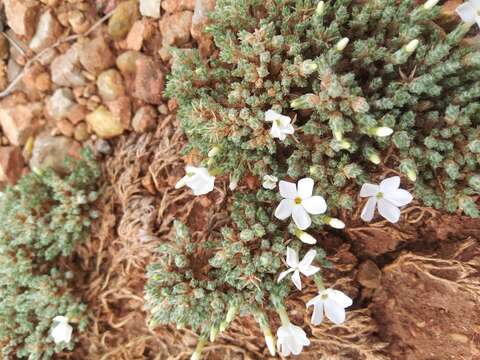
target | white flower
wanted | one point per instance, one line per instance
(333, 303)
(305, 266)
(62, 331)
(299, 203)
(198, 179)
(388, 196)
(270, 182)
(469, 12)
(281, 126)
(291, 339)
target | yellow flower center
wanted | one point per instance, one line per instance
(379, 195)
(298, 200)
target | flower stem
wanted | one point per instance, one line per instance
(319, 281)
(197, 354)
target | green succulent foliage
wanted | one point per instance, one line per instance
(283, 55)
(42, 218)
(292, 57)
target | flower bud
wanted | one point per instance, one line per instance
(213, 151)
(342, 44)
(336, 223)
(412, 46)
(305, 237)
(320, 8)
(303, 102)
(382, 131)
(430, 4)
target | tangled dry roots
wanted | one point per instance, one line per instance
(138, 208)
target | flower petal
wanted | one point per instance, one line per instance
(339, 297)
(60, 318)
(301, 218)
(299, 335)
(388, 210)
(368, 190)
(283, 274)
(390, 184)
(399, 197)
(369, 209)
(288, 190)
(292, 258)
(201, 183)
(284, 209)
(475, 4)
(334, 311)
(317, 315)
(315, 205)
(288, 129)
(182, 182)
(307, 259)
(305, 188)
(466, 12)
(271, 115)
(314, 301)
(296, 279)
(309, 270)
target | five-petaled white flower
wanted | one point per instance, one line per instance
(291, 339)
(270, 182)
(198, 179)
(299, 202)
(62, 331)
(333, 303)
(469, 11)
(387, 196)
(305, 266)
(281, 124)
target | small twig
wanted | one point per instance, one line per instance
(14, 43)
(29, 63)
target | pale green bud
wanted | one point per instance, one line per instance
(213, 151)
(342, 44)
(430, 4)
(320, 8)
(308, 67)
(412, 46)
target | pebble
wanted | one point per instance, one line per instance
(105, 124)
(123, 18)
(110, 85)
(175, 28)
(22, 16)
(149, 80)
(11, 164)
(47, 32)
(150, 8)
(96, 56)
(145, 119)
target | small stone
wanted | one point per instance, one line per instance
(136, 35)
(65, 127)
(145, 119)
(122, 19)
(22, 16)
(60, 103)
(369, 275)
(81, 132)
(199, 22)
(48, 30)
(43, 82)
(150, 8)
(104, 123)
(178, 5)
(51, 152)
(126, 62)
(65, 69)
(175, 28)
(77, 113)
(110, 85)
(11, 164)
(96, 56)
(149, 81)
(103, 147)
(121, 109)
(78, 21)
(19, 122)
(4, 48)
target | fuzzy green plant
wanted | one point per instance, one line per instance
(371, 85)
(42, 218)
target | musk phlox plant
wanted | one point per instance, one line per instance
(42, 218)
(326, 95)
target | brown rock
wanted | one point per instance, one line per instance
(11, 164)
(81, 132)
(121, 109)
(96, 56)
(150, 8)
(51, 152)
(137, 33)
(104, 123)
(65, 127)
(43, 82)
(19, 122)
(175, 28)
(428, 307)
(59, 104)
(110, 85)
(199, 22)
(77, 113)
(123, 18)
(65, 69)
(369, 275)
(22, 16)
(145, 119)
(47, 32)
(126, 62)
(149, 81)
(178, 5)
